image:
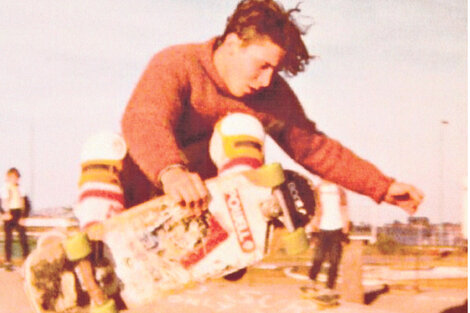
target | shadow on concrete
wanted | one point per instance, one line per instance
(458, 309)
(370, 296)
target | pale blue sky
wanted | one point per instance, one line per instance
(387, 73)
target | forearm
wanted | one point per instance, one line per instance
(327, 158)
(321, 155)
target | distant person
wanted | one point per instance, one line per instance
(331, 221)
(13, 208)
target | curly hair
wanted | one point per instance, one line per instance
(255, 19)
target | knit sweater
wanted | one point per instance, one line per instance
(181, 96)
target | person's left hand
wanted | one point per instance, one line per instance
(405, 196)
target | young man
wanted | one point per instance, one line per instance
(186, 89)
(331, 220)
(13, 209)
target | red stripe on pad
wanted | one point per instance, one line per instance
(251, 162)
(97, 193)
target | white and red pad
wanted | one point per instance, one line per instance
(99, 199)
(237, 143)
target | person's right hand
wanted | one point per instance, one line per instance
(405, 196)
(186, 188)
(312, 227)
(6, 216)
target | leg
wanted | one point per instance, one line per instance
(8, 238)
(319, 256)
(15, 224)
(335, 250)
(23, 240)
(78, 250)
(91, 286)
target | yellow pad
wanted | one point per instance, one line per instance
(77, 246)
(243, 146)
(269, 175)
(116, 164)
(99, 176)
(103, 171)
(295, 242)
(107, 307)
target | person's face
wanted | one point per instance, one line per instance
(250, 66)
(12, 178)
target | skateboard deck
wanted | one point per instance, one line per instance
(321, 300)
(308, 292)
(158, 247)
(325, 302)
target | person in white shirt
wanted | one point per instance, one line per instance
(13, 209)
(331, 220)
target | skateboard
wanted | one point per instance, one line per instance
(322, 301)
(9, 267)
(158, 247)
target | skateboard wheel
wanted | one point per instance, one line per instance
(295, 242)
(237, 275)
(108, 307)
(77, 247)
(270, 175)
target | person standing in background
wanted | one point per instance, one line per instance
(331, 221)
(13, 208)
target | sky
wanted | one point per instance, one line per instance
(386, 77)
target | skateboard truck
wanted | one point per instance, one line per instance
(296, 200)
(77, 249)
(295, 241)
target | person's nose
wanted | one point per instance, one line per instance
(264, 79)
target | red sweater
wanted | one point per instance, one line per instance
(180, 97)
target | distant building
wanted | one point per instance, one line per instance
(365, 232)
(419, 231)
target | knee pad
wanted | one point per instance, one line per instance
(237, 143)
(100, 191)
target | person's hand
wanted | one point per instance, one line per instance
(6, 216)
(312, 226)
(186, 188)
(404, 196)
(345, 238)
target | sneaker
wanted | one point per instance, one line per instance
(8, 266)
(310, 289)
(327, 299)
(330, 293)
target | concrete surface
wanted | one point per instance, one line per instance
(260, 292)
